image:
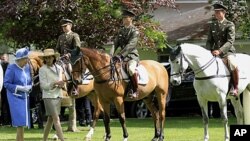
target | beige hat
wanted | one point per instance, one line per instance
(49, 52)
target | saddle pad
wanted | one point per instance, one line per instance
(142, 75)
(86, 77)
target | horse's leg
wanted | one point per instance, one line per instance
(204, 111)
(246, 105)
(106, 120)
(238, 109)
(98, 109)
(119, 104)
(155, 114)
(161, 98)
(72, 117)
(223, 112)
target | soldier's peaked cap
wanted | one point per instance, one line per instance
(219, 6)
(128, 13)
(66, 21)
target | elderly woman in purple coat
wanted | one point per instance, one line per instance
(18, 83)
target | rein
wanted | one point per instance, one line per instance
(199, 70)
(95, 73)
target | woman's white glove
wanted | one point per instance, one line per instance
(25, 89)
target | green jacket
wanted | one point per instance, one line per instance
(68, 41)
(221, 37)
(127, 40)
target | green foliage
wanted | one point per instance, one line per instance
(152, 33)
(38, 23)
(244, 28)
(238, 13)
(96, 21)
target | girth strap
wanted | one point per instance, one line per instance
(211, 77)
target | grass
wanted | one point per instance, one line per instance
(176, 129)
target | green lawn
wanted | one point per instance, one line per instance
(176, 129)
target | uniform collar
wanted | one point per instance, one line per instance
(68, 32)
(222, 20)
(128, 26)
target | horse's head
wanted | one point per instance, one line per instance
(178, 65)
(35, 62)
(96, 61)
(78, 69)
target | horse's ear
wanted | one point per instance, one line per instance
(178, 50)
(174, 52)
(168, 46)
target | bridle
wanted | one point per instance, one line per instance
(198, 70)
(96, 73)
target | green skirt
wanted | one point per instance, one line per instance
(52, 106)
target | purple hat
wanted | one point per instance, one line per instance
(22, 53)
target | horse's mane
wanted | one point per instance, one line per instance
(34, 55)
(195, 50)
(95, 53)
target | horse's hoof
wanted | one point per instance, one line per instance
(125, 139)
(107, 138)
(90, 133)
(161, 139)
(55, 137)
(87, 138)
(154, 139)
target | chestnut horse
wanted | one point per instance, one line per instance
(111, 90)
(83, 89)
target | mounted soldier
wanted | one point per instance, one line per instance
(220, 41)
(69, 43)
(127, 39)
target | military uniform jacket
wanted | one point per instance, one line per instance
(68, 41)
(221, 37)
(127, 40)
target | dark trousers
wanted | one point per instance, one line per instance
(37, 112)
(83, 110)
(5, 109)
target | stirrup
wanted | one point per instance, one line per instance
(132, 94)
(74, 92)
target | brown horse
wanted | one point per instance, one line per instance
(83, 89)
(113, 90)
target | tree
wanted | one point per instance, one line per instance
(96, 21)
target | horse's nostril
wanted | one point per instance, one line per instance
(175, 82)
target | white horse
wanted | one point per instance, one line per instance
(211, 81)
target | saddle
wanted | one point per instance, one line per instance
(141, 71)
